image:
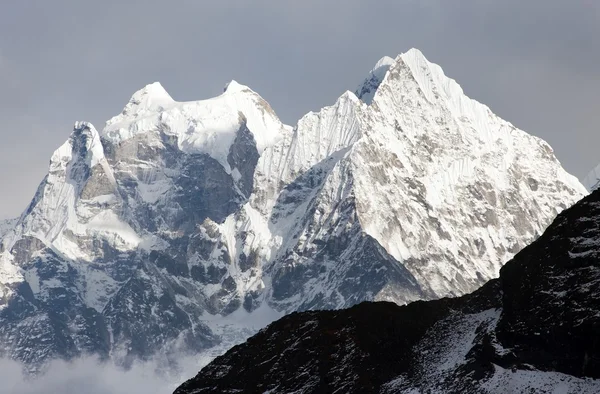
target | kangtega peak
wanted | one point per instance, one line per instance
(187, 226)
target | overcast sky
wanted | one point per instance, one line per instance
(535, 63)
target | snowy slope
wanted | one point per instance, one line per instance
(180, 221)
(207, 126)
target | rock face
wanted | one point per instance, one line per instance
(535, 329)
(181, 226)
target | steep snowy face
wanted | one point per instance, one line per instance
(459, 190)
(66, 203)
(366, 90)
(317, 137)
(185, 225)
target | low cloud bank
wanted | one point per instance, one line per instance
(88, 375)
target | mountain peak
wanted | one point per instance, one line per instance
(419, 68)
(384, 62)
(84, 141)
(366, 90)
(151, 97)
(413, 58)
(83, 125)
(206, 126)
(234, 86)
(413, 53)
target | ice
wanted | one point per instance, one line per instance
(205, 126)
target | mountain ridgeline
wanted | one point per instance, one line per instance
(188, 226)
(535, 329)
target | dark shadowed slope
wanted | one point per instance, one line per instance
(535, 329)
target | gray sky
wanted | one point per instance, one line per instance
(535, 63)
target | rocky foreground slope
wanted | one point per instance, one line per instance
(536, 329)
(182, 226)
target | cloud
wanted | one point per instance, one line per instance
(88, 375)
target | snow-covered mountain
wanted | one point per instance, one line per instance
(189, 225)
(533, 330)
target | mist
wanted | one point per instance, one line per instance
(89, 375)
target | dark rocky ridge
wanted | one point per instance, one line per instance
(541, 315)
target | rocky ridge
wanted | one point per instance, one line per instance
(535, 329)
